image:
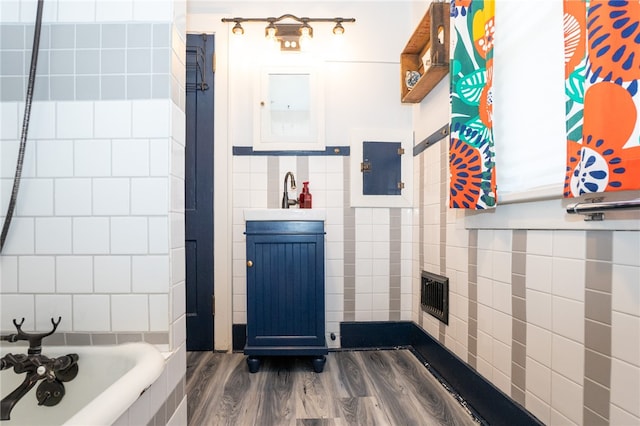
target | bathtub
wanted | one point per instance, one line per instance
(109, 380)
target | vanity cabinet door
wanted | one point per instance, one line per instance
(285, 288)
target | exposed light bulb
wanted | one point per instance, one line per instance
(338, 29)
(237, 29)
(270, 31)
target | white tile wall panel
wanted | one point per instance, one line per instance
(9, 274)
(178, 299)
(539, 308)
(625, 338)
(568, 278)
(112, 119)
(540, 243)
(111, 196)
(625, 392)
(36, 197)
(502, 361)
(151, 118)
(158, 235)
(17, 306)
(177, 194)
(74, 274)
(9, 122)
(538, 407)
(502, 240)
(149, 196)
(178, 268)
(539, 272)
(114, 11)
(129, 235)
(626, 246)
(130, 157)
(568, 318)
(566, 397)
(150, 274)
(36, 274)
(50, 306)
(53, 235)
(74, 120)
(91, 235)
(76, 11)
(567, 358)
(92, 158)
(571, 244)
(625, 292)
(158, 312)
(501, 266)
(129, 312)
(54, 158)
(159, 157)
(91, 312)
(112, 274)
(21, 237)
(72, 197)
(42, 123)
(538, 381)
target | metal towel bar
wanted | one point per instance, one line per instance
(595, 210)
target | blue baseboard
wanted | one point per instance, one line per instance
(487, 402)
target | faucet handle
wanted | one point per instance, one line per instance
(34, 339)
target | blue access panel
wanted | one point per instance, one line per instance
(381, 168)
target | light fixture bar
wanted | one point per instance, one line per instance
(288, 34)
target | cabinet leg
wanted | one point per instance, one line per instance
(318, 363)
(253, 363)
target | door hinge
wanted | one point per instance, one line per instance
(213, 62)
(400, 185)
(400, 151)
(213, 305)
(365, 167)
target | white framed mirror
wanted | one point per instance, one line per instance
(289, 109)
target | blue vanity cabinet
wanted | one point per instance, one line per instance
(285, 291)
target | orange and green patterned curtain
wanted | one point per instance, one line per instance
(602, 74)
(471, 150)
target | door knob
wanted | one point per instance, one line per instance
(249, 264)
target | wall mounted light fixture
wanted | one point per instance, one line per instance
(291, 33)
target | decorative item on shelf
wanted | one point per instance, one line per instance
(411, 78)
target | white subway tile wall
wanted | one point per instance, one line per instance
(581, 311)
(91, 237)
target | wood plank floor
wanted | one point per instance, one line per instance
(386, 387)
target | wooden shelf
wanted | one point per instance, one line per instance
(425, 41)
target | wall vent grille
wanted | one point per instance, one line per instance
(434, 295)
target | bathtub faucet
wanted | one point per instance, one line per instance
(37, 367)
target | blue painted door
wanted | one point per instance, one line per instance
(199, 192)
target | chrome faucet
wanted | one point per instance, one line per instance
(286, 202)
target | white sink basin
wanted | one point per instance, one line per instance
(285, 214)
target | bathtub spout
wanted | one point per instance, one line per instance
(7, 403)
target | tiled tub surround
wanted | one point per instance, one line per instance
(98, 235)
(550, 317)
(87, 61)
